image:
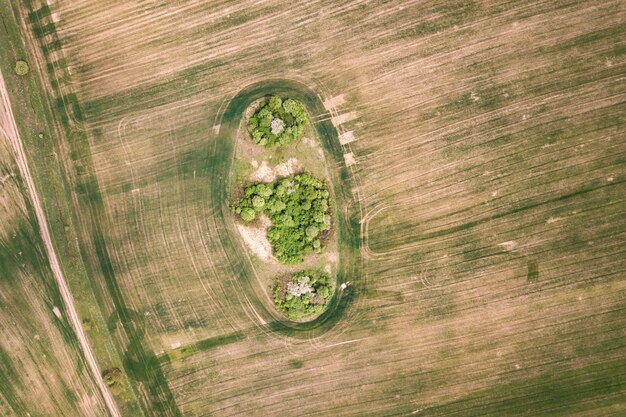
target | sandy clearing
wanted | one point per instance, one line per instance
(288, 168)
(334, 102)
(13, 136)
(264, 173)
(553, 220)
(347, 137)
(343, 118)
(309, 142)
(255, 239)
(508, 246)
(349, 157)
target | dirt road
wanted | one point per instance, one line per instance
(8, 127)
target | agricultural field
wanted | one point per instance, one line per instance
(41, 367)
(475, 152)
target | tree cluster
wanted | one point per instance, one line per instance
(304, 294)
(278, 122)
(298, 207)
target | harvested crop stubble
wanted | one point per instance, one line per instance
(477, 122)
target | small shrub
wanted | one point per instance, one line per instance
(299, 210)
(278, 122)
(114, 379)
(248, 214)
(21, 67)
(305, 294)
(296, 364)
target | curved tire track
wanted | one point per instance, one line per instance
(350, 263)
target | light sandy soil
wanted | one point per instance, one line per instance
(344, 118)
(255, 239)
(265, 173)
(12, 135)
(287, 168)
(332, 103)
(346, 137)
(349, 157)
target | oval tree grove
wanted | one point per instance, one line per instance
(343, 210)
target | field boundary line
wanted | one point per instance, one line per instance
(12, 134)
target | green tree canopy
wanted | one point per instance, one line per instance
(248, 214)
(299, 210)
(304, 294)
(278, 122)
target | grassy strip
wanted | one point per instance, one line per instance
(184, 352)
(139, 363)
(36, 124)
(567, 392)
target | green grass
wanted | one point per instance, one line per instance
(185, 352)
(35, 122)
(561, 394)
(533, 271)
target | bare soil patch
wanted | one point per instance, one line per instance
(255, 238)
(265, 173)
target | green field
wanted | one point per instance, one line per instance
(476, 154)
(41, 367)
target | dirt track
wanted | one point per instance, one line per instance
(8, 127)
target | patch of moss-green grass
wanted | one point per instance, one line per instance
(21, 67)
